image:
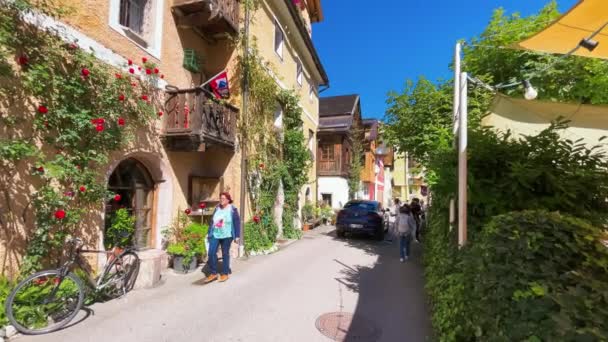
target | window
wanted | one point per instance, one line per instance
(278, 39)
(368, 206)
(311, 92)
(327, 152)
(132, 15)
(278, 118)
(311, 144)
(327, 199)
(132, 181)
(299, 71)
(311, 139)
(140, 21)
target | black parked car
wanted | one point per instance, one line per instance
(360, 216)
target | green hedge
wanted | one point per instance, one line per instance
(528, 276)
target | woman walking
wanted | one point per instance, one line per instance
(224, 228)
(405, 227)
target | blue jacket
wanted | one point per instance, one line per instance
(236, 223)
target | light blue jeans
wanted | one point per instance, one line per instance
(404, 245)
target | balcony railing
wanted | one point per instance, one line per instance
(214, 17)
(331, 168)
(195, 120)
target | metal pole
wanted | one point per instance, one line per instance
(462, 163)
(456, 107)
(243, 138)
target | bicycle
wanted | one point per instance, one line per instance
(48, 300)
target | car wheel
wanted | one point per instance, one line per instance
(340, 234)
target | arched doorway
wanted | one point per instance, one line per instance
(132, 181)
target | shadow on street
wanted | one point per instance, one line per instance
(391, 293)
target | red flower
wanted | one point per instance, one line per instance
(187, 211)
(99, 128)
(23, 60)
(160, 114)
(42, 109)
(101, 121)
(69, 193)
(85, 72)
(117, 198)
(148, 72)
(40, 169)
(121, 122)
(156, 70)
(118, 75)
(131, 70)
(60, 214)
(162, 76)
(144, 59)
(144, 97)
(130, 62)
(82, 189)
(73, 46)
(256, 219)
(139, 68)
(133, 84)
(262, 165)
(121, 97)
(202, 205)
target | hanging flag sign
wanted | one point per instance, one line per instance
(219, 85)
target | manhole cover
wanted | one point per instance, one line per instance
(343, 326)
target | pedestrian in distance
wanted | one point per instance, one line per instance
(405, 228)
(393, 211)
(416, 213)
(223, 229)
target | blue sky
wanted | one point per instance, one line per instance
(372, 47)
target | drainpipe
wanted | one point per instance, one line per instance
(243, 141)
(407, 171)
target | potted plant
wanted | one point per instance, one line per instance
(186, 243)
(120, 233)
(308, 216)
(327, 214)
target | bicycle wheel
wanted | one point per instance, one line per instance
(119, 275)
(44, 302)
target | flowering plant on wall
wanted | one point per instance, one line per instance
(81, 111)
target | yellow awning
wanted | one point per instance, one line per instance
(563, 35)
(523, 117)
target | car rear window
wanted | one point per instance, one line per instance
(361, 206)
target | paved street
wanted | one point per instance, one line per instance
(272, 298)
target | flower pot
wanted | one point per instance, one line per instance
(178, 264)
(307, 226)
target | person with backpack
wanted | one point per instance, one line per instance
(224, 228)
(405, 228)
(416, 213)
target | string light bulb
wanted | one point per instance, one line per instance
(529, 92)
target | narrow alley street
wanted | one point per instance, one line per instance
(277, 297)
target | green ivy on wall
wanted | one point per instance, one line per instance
(273, 157)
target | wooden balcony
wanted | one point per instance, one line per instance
(331, 168)
(217, 19)
(195, 121)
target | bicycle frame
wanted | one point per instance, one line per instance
(74, 258)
